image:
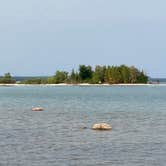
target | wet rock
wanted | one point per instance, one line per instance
(102, 126)
(37, 109)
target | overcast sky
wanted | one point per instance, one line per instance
(38, 37)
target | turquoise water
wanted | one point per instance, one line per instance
(53, 137)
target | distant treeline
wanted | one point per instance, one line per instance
(86, 74)
(98, 75)
(7, 79)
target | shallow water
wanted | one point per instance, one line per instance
(53, 137)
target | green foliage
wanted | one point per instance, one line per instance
(98, 75)
(85, 73)
(125, 73)
(134, 72)
(35, 81)
(7, 79)
(59, 77)
(142, 78)
(101, 74)
(74, 77)
(51, 80)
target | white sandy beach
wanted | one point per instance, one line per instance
(83, 84)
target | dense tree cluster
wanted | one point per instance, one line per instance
(100, 74)
(59, 77)
(7, 79)
(86, 74)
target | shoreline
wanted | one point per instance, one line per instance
(82, 84)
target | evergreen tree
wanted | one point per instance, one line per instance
(85, 73)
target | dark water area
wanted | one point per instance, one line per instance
(54, 138)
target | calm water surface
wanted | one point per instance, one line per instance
(54, 138)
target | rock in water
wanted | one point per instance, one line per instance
(83, 127)
(101, 126)
(37, 109)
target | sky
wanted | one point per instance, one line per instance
(38, 37)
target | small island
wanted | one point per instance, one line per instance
(87, 75)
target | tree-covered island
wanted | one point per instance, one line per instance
(86, 74)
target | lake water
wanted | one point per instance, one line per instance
(54, 138)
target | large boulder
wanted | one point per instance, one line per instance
(101, 126)
(37, 109)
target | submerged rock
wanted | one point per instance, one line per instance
(37, 109)
(101, 126)
(83, 127)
